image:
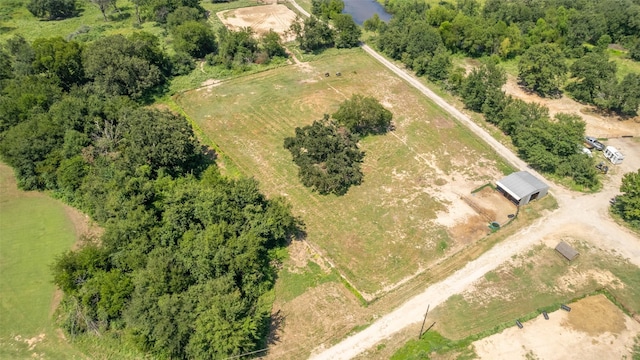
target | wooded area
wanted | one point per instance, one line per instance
(188, 258)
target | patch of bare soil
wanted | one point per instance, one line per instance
(300, 253)
(594, 329)
(31, 342)
(322, 313)
(261, 19)
(490, 206)
(598, 124)
(595, 315)
(84, 228)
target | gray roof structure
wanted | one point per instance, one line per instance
(520, 184)
(567, 251)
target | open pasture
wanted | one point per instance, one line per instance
(33, 230)
(401, 219)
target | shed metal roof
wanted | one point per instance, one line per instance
(566, 250)
(520, 184)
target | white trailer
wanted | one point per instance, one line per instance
(613, 155)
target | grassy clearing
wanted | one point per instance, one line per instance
(18, 20)
(379, 232)
(624, 64)
(33, 230)
(292, 284)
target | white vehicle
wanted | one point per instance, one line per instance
(613, 155)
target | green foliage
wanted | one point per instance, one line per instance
(158, 139)
(592, 73)
(237, 48)
(59, 59)
(634, 50)
(363, 115)
(272, 44)
(347, 32)
(436, 67)
(327, 156)
(124, 66)
(627, 204)
(542, 69)
(313, 34)
(52, 9)
(481, 85)
(184, 14)
(194, 38)
(327, 9)
(623, 97)
(373, 23)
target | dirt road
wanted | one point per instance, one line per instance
(589, 213)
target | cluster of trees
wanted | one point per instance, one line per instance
(316, 33)
(549, 145)
(187, 255)
(545, 33)
(627, 205)
(542, 69)
(327, 152)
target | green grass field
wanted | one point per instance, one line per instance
(381, 231)
(33, 230)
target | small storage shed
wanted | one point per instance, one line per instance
(613, 155)
(567, 251)
(521, 187)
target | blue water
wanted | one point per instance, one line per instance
(362, 10)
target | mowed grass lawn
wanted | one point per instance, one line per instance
(379, 232)
(34, 229)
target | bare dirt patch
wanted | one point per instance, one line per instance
(594, 329)
(598, 125)
(595, 315)
(261, 19)
(85, 228)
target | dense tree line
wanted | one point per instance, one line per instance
(551, 145)
(326, 152)
(187, 256)
(542, 32)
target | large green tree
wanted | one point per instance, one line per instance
(363, 115)
(313, 34)
(347, 32)
(195, 38)
(627, 205)
(542, 69)
(327, 156)
(592, 73)
(52, 9)
(59, 59)
(124, 66)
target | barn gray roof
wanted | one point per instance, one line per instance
(520, 184)
(566, 250)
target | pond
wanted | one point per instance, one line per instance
(362, 10)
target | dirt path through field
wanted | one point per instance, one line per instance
(588, 211)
